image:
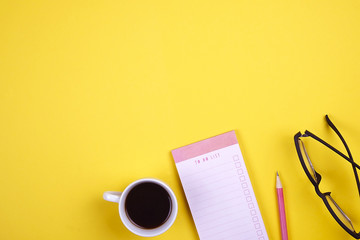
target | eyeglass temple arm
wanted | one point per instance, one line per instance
(339, 134)
(347, 149)
(307, 133)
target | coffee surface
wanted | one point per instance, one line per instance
(148, 205)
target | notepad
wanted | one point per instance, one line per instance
(218, 189)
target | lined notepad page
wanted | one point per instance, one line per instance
(218, 189)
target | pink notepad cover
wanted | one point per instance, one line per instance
(218, 189)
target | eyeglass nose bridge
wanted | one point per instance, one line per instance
(317, 189)
(318, 177)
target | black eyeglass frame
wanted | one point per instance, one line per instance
(318, 176)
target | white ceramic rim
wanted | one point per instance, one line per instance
(148, 232)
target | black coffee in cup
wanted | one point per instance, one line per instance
(148, 205)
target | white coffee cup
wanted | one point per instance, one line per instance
(120, 197)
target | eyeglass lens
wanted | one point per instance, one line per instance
(307, 161)
(339, 213)
(333, 205)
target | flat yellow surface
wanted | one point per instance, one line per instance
(95, 94)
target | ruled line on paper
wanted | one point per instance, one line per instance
(244, 237)
(221, 220)
(239, 224)
(223, 230)
(216, 189)
(200, 181)
(221, 201)
(215, 168)
(219, 210)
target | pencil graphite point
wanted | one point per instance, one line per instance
(278, 182)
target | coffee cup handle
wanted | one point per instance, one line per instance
(112, 196)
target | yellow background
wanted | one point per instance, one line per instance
(95, 94)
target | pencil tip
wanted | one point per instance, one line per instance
(278, 182)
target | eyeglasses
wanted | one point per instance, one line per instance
(315, 177)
